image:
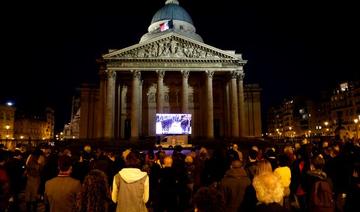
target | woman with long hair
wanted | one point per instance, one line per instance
(95, 193)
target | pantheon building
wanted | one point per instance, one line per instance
(170, 70)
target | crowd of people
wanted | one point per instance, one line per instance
(322, 176)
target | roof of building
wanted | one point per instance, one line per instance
(172, 11)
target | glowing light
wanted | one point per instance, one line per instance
(21, 137)
(9, 104)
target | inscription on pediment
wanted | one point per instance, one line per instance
(170, 48)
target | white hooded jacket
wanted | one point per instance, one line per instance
(130, 175)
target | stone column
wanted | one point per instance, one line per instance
(210, 105)
(140, 106)
(110, 104)
(241, 104)
(102, 103)
(123, 112)
(234, 106)
(185, 92)
(135, 105)
(227, 109)
(118, 112)
(160, 91)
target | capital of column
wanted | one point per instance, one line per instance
(111, 74)
(185, 74)
(160, 73)
(136, 74)
(234, 74)
(210, 74)
(241, 76)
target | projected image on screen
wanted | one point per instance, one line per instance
(173, 123)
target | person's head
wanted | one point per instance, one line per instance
(318, 162)
(253, 154)
(263, 166)
(189, 159)
(125, 153)
(235, 147)
(209, 200)
(133, 160)
(65, 163)
(95, 191)
(283, 160)
(168, 161)
(268, 188)
(87, 148)
(203, 153)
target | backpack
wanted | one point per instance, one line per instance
(321, 198)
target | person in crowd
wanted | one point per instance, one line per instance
(233, 186)
(251, 163)
(15, 168)
(190, 174)
(95, 193)
(315, 191)
(208, 199)
(61, 191)
(353, 196)
(131, 186)
(168, 186)
(263, 166)
(4, 183)
(269, 192)
(284, 172)
(33, 175)
(238, 152)
(299, 169)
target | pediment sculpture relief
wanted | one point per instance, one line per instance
(170, 48)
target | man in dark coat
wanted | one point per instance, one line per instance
(233, 186)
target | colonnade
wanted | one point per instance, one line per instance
(107, 101)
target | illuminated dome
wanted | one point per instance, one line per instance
(172, 11)
(181, 22)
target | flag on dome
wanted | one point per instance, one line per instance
(166, 25)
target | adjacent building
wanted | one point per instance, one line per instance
(7, 121)
(34, 125)
(335, 113)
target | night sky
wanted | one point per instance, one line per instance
(292, 47)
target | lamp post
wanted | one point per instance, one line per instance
(7, 127)
(357, 128)
(326, 127)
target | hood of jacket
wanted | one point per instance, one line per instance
(318, 174)
(130, 175)
(236, 173)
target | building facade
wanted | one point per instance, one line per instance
(7, 120)
(35, 126)
(171, 70)
(336, 113)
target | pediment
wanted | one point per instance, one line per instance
(173, 46)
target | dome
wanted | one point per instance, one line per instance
(172, 11)
(180, 19)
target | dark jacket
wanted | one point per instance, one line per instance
(233, 186)
(272, 207)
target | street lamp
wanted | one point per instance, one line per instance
(326, 126)
(7, 127)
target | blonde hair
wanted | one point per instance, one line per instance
(168, 161)
(263, 166)
(268, 188)
(189, 159)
